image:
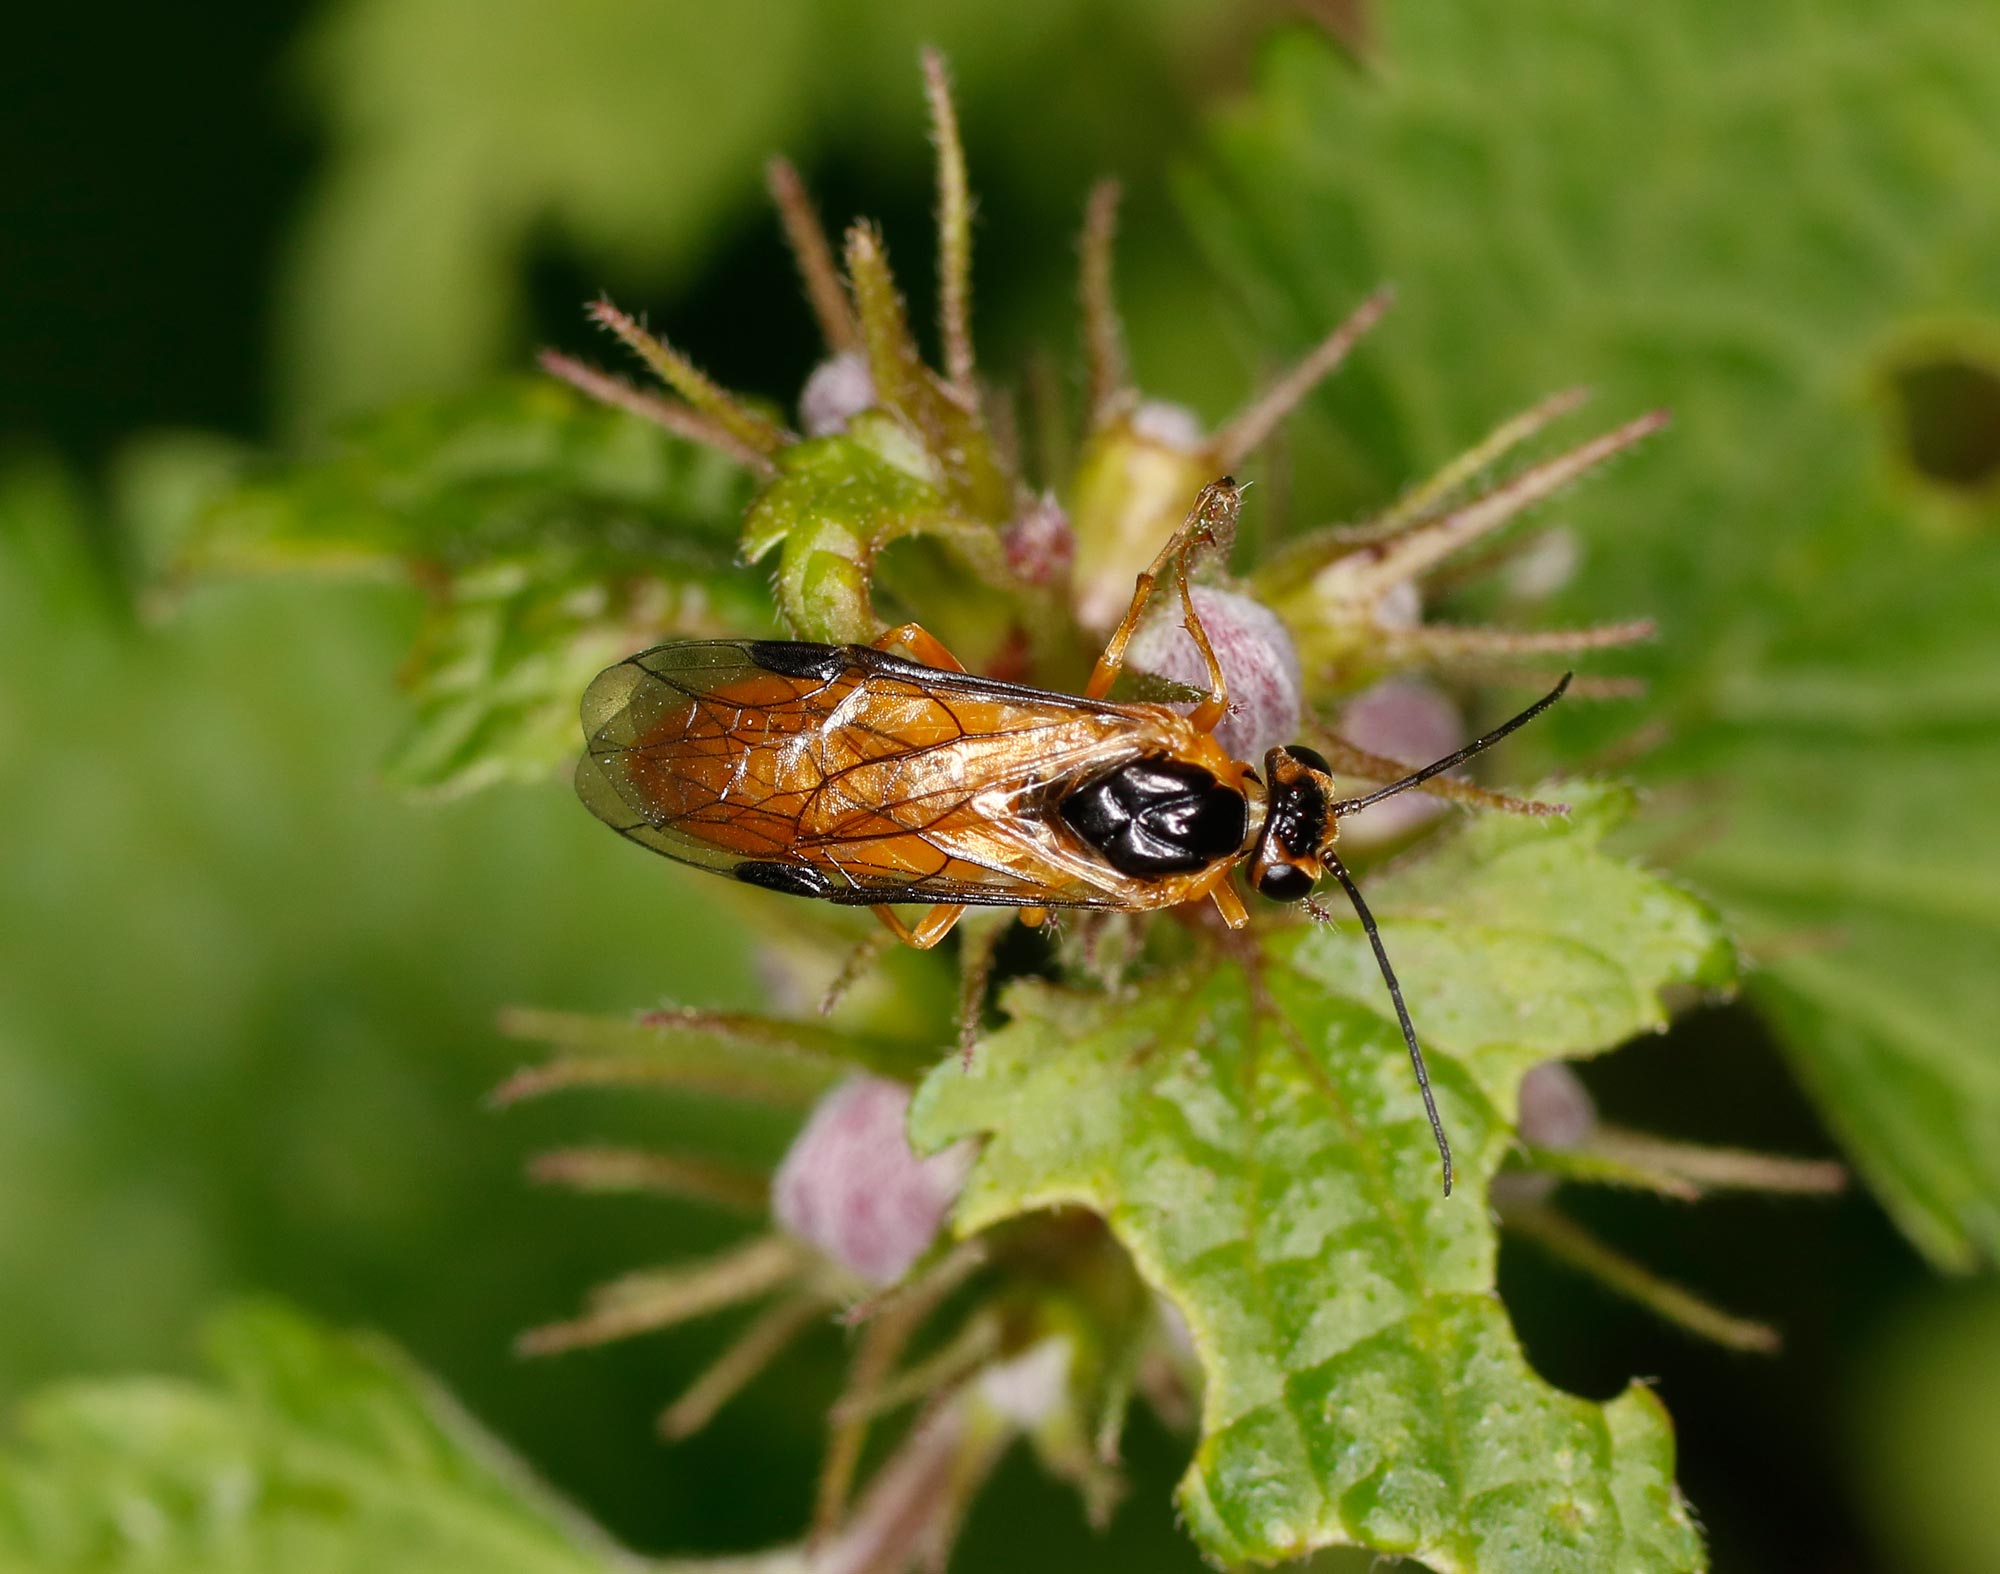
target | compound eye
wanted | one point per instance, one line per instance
(1312, 757)
(1285, 883)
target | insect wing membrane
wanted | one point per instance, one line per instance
(895, 783)
(632, 714)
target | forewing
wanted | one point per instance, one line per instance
(731, 687)
(840, 772)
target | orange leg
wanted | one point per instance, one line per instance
(931, 928)
(1216, 887)
(1229, 904)
(924, 647)
(1217, 503)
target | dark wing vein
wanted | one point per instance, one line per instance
(629, 702)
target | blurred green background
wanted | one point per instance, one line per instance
(247, 993)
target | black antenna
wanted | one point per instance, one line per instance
(1367, 918)
(1457, 757)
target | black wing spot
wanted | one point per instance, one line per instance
(791, 879)
(797, 658)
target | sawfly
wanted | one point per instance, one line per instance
(857, 775)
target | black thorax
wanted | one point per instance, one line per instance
(1158, 817)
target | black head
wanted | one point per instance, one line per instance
(1298, 824)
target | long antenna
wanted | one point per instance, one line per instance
(1457, 757)
(1395, 994)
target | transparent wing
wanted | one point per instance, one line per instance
(655, 718)
(843, 773)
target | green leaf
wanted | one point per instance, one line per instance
(1258, 1146)
(312, 1451)
(836, 504)
(554, 537)
(459, 482)
(1856, 765)
(1757, 225)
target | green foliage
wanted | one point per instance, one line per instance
(1254, 1140)
(788, 1064)
(633, 132)
(1563, 194)
(248, 1013)
(312, 1451)
(1924, 1412)
(837, 503)
(1363, 1387)
(1749, 220)
(1862, 758)
(554, 537)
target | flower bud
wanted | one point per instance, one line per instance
(1172, 426)
(1131, 490)
(1556, 1110)
(1399, 607)
(1259, 662)
(1040, 543)
(851, 1187)
(1545, 566)
(838, 390)
(1408, 720)
(1033, 1387)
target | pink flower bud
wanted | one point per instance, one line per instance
(1172, 426)
(851, 1186)
(1040, 543)
(1548, 563)
(1407, 720)
(839, 389)
(1259, 662)
(1401, 606)
(1557, 1110)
